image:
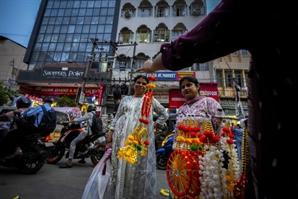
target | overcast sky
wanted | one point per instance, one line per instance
(17, 18)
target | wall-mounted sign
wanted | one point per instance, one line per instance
(171, 76)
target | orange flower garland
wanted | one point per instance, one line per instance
(136, 142)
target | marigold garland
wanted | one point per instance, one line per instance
(135, 142)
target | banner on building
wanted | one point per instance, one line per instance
(100, 93)
(176, 99)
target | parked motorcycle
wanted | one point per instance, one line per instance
(70, 132)
(163, 153)
(35, 150)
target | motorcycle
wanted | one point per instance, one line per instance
(163, 153)
(67, 134)
(35, 149)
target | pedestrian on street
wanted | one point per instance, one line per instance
(238, 132)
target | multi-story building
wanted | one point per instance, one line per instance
(128, 33)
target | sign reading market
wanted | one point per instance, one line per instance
(171, 76)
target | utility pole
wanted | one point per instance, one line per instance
(131, 67)
(88, 65)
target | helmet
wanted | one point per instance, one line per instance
(49, 100)
(91, 107)
(23, 102)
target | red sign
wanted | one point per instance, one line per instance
(176, 99)
(89, 92)
(100, 92)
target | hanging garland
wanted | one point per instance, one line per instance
(137, 141)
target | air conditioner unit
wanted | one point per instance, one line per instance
(127, 14)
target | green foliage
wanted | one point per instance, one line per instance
(5, 93)
(65, 101)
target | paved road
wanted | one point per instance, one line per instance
(52, 182)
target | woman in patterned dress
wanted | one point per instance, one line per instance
(131, 181)
(197, 106)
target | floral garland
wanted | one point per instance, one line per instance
(137, 141)
(232, 170)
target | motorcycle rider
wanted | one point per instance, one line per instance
(22, 103)
(91, 108)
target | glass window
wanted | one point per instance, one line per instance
(64, 56)
(59, 20)
(80, 57)
(102, 20)
(63, 4)
(73, 20)
(83, 4)
(84, 38)
(105, 3)
(50, 29)
(52, 20)
(94, 20)
(238, 78)
(90, 4)
(108, 29)
(40, 38)
(97, 4)
(82, 47)
(229, 79)
(161, 35)
(76, 4)
(80, 20)
(52, 46)
(219, 78)
(78, 28)
(162, 12)
(42, 29)
(42, 57)
(100, 28)
(66, 20)
(64, 29)
(74, 47)
(82, 12)
(45, 20)
(109, 20)
(67, 47)
(67, 12)
(37, 47)
(47, 38)
(54, 38)
(76, 38)
(72, 56)
(59, 47)
(56, 4)
(89, 12)
(88, 20)
(107, 37)
(45, 46)
(61, 37)
(70, 4)
(69, 37)
(86, 28)
(57, 56)
(112, 4)
(93, 28)
(75, 12)
(244, 52)
(34, 56)
(54, 12)
(61, 12)
(111, 11)
(50, 4)
(95, 11)
(179, 11)
(103, 11)
(144, 12)
(71, 29)
(56, 29)
(47, 13)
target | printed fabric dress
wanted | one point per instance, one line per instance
(131, 181)
(198, 110)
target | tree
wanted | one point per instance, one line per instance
(65, 101)
(6, 94)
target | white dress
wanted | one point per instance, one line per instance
(131, 181)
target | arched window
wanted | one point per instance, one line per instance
(162, 9)
(178, 30)
(126, 35)
(128, 11)
(161, 33)
(179, 8)
(145, 9)
(139, 60)
(143, 34)
(197, 8)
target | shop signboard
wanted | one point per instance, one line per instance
(100, 93)
(171, 76)
(176, 99)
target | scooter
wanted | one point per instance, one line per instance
(163, 153)
(83, 149)
(35, 149)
